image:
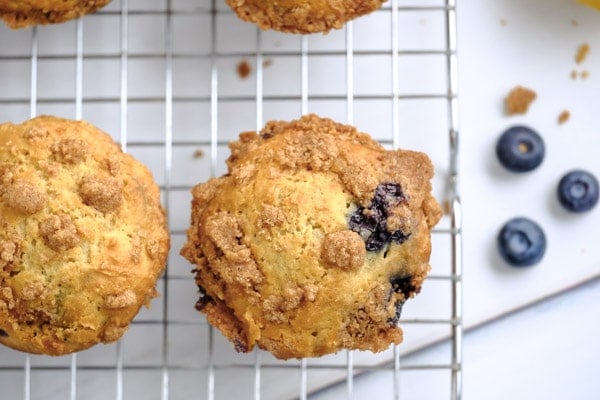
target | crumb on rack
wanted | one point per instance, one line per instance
(198, 154)
(564, 117)
(518, 100)
(585, 74)
(574, 22)
(582, 52)
(267, 63)
(503, 22)
(244, 69)
(446, 208)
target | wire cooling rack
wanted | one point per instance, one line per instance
(161, 77)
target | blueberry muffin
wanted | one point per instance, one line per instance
(24, 13)
(302, 16)
(313, 240)
(83, 237)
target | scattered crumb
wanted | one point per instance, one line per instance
(198, 154)
(446, 209)
(518, 100)
(243, 69)
(582, 53)
(574, 74)
(267, 63)
(574, 22)
(503, 22)
(583, 74)
(564, 117)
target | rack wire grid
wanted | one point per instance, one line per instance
(160, 77)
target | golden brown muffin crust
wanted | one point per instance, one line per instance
(302, 16)
(24, 13)
(279, 263)
(81, 243)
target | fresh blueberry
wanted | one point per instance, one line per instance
(520, 149)
(578, 191)
(521, 242)
(371, 223)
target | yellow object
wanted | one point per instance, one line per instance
(591, 3)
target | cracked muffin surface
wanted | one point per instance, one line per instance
(24, 13)
(83, 236)
(302, 16)
(313, 240)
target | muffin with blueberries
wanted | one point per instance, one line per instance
(313, 240)
(24, 13)
(83, 236)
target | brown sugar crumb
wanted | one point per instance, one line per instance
(585, 74)
(293, 295)
(121, 300)
(271, 216)
(59, 232)
(267, 63)
(518, 100)
(25, 197)
(33, 290)
(102, 193)
(582, 52)
(113, 333)
(136, 249)
(113, 165)
(244, 69)
(224, 232)
(70, 151)
(574, 22)
(344, 249)
(52, 168)
(153, 249)
(503, 22)
(35, 133)
(9, 252)
(564, 117)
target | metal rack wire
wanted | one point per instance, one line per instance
(163, 100)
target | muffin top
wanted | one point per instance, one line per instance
(302, 16)
(83, 237)
(313, 240)
(24, 13)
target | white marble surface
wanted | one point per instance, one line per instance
(547, 351)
